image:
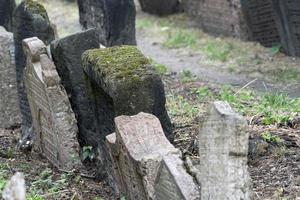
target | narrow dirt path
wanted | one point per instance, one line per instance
(177, 61)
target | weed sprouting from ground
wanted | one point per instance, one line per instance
(218, 50)
(181, 38)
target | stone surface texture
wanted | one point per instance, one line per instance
(15, 188)
(219, 17)
(66, 53)
(53, 118)
(158, 7)
(114, 20)
(9, 104)
(30, 19)
(223, 150)
(137, 150)
(6, 11)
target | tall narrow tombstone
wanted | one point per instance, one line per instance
(30, 19)
(9, 105)
(114, 20)
(53, 118)
(223, 150)
(145, 164)
(6, 11)
(66, 53)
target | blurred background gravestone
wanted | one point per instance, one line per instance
(113, 19)
(30, 19)
(9, 104)
(6, 11)
(158, 7)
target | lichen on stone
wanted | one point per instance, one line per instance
(36, 8)
(120, 62)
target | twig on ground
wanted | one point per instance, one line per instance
(245, 86)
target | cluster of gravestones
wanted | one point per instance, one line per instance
(73, 94)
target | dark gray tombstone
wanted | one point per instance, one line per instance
(6, 11)
(66, 53)
(30, 19)
(158, 7)
(114, 20)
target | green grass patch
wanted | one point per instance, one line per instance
(218, 50)
(180, 38)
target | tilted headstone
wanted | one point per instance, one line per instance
(223, 150)
(9, 104)
(158, 7)
(53, 119)
(137, 150)
(114, 20)
(6, 11)
(66, 53)
(30, 19)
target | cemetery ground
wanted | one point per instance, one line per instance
(196, 69)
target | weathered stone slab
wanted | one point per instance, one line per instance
(173, 182)
(6, 11)
(137, 149)
(122, 82)
(158, 7)
(223, 150)
(114, 20)
(53, 118)
(66, 53)
(30, 19)
(9, 104)
(15, 188)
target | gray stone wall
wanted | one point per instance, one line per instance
(53, 118)
(9, 103)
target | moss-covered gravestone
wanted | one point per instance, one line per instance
(66, 53)
(6, 11)
(121, 81)
(30, 19)
(114, 20)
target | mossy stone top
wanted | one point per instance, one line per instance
(36, 8)
(120, 62)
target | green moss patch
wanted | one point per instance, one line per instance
(36, 8)
(121, 62)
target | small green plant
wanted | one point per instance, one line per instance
(160, 68)
(217, 50)
(186, 76)
(87, 153)
(275, 49)
(202, 93)
(268, 137)
(144, 23)
(33, 196)
(180, 39)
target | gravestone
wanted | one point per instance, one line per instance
(223, 150)
(6, 11)
(9, 105)
(53, 119)
(30, 19)
(15, 188)
(114, 20)
(137, 150)
(66, 53)
(158, 7)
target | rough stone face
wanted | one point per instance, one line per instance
(15, 188)
(30, 19)
(173, 182)
(158, 7)
(53, 119)
(219, 17)
(6, 11)
(114, 20)
(66, 54)
(137, 150)
(223, 150)
(9, 104)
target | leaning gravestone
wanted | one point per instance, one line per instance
(66, 53)
(158, 7)
(223, 150)
(53, 118)
(145, 164)
(6, 11)
(30, 19)
(114, 20)
(9, 105)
